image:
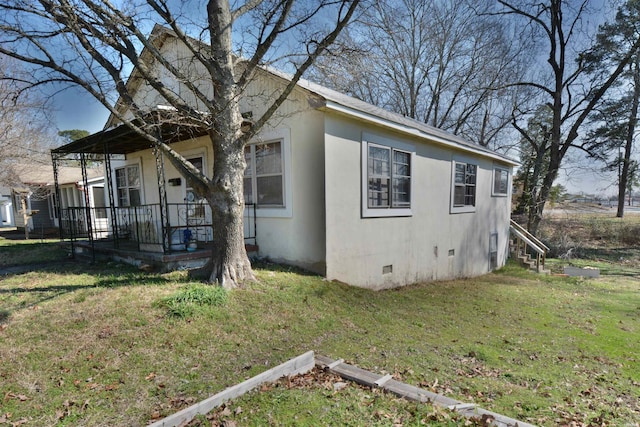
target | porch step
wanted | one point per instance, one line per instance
(148, 261)
(529, 263)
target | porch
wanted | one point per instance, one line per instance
(139, 218)
(137, 234)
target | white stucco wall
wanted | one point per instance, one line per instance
(417, 246)
(293, 234)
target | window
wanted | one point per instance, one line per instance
(264, 175)
(128, 185)
(500, 182)
(53, 205)
(388, 177)
(387, 169)
(464, 187)
(197, 210)
(99, 202)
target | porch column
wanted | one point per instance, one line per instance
(162, 191)
(112, 205)
(56, 194)
(87, 203)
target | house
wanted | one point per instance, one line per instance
(335, 185)
(30, 199)
(6, 207)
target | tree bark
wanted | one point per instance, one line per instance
(631, 129)
(230, 264)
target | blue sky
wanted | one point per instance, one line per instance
(75, 109)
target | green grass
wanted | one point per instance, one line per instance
(95, 345)
(21, 252)
(193, 300)
(299, 401)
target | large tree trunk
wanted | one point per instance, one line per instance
(542, 198)
(229, 263)
(631, 129)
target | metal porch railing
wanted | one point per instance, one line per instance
(142, 225)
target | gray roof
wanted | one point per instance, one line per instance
(42, 175)
(412, 126)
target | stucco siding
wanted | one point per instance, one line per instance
(430, 244)
(296, 235)
(293, 234)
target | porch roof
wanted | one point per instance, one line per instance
(124, 140)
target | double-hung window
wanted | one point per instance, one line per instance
(500, 182)
(387, 184)
(264, 175)
(463, 198)
(128, 185)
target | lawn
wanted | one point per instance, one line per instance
(106, 345)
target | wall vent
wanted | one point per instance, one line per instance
(386, 269)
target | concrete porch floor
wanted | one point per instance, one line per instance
(148, 261)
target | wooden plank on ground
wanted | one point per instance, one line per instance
(382, 381)
(410, 392)
(356, 374)
(418, 394)
(298, 365)
(498, 419)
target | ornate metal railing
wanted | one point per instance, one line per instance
(143, 226)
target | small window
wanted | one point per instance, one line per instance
(463, 197)
(264, 175)
(128, 185)
(388, 177)
(500, 182)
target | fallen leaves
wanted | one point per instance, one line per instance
(6, 419)
(68, 408)
(20, 397)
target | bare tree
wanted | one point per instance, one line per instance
(563, 86)
(617, 118)
(25, 131)
(94, 44)
(443, 63)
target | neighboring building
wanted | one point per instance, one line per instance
(341, 187)
(6, 208)
(32, 198)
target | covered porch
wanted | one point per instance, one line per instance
(176, 228)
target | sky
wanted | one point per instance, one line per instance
(76, 109)
(73, 108)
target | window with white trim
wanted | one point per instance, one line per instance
(128, 186)
(264, 175)
(388, 177)
(197, 208)
(463, 198)
(500, 182)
